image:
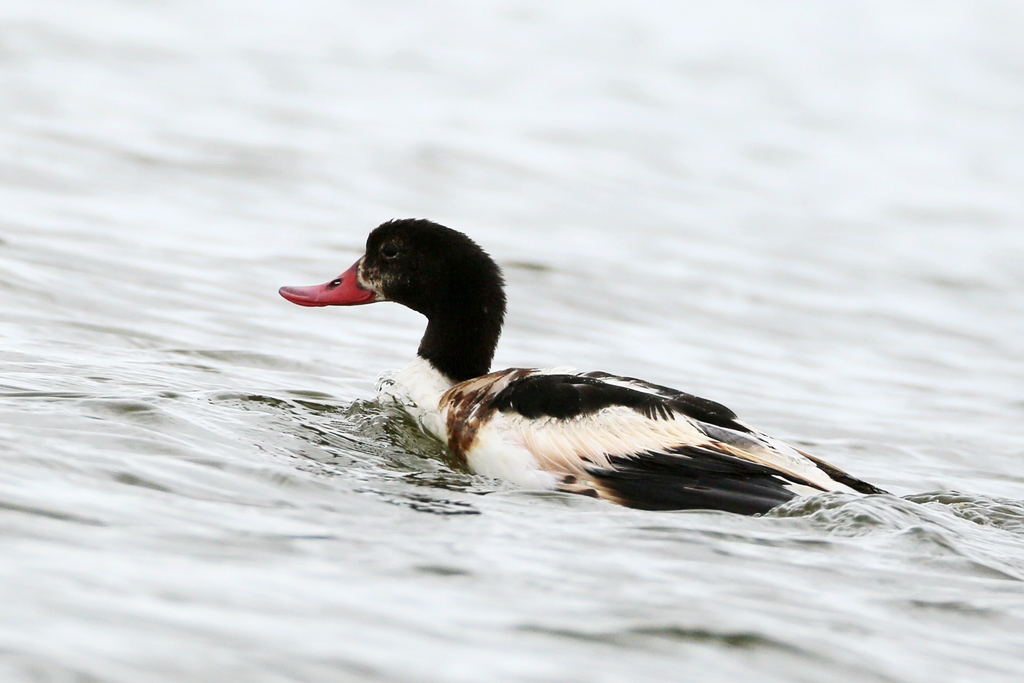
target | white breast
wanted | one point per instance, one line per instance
(418, 388)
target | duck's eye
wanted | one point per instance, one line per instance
(389, 250)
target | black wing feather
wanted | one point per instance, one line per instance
(692, 478)
(568, 396)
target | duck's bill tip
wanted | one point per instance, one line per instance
(344, 290)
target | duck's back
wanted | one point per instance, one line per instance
(625, 440)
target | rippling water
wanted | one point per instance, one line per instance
(813, 212)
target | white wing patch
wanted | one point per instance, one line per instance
(571, 446)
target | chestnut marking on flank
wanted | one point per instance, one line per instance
(471, 403)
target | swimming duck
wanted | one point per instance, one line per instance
(616, 438)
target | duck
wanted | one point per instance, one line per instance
(615, 438)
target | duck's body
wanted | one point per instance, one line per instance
(616, 438)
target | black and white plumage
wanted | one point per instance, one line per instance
(617, 438)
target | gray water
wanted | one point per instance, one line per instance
(812, 212)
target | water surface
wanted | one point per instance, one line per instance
(812, 213)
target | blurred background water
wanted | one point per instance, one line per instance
(813, 212)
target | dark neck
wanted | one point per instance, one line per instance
(461, 345)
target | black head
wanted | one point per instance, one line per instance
(447, 277)
(436, 271)
(432, 269)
